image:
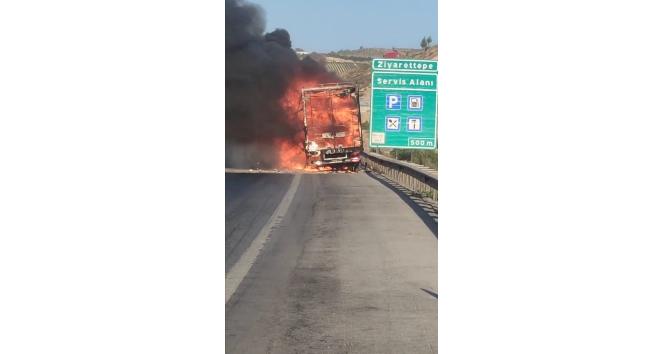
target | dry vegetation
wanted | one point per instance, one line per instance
(361, 75)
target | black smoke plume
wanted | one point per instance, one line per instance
(259, 69)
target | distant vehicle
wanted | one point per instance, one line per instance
(332, 130)
(391, 54)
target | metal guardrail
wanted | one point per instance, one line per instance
(403, 173)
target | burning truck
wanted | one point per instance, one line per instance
(332, 130)
(271, 92)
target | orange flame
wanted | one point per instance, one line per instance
(291, 155)
(291, 152)
(345, 115)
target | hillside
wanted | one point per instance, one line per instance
(354, 66)
(371, 53)
(359, 72)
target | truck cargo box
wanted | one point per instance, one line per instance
(333, 134)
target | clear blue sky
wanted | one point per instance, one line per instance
(326, 25)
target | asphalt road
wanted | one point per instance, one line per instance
(250, 200)
(347, 265)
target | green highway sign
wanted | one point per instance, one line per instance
(404, 104)
(405, 65)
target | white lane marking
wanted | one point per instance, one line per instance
(241, 268)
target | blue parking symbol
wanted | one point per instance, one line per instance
(393, 102)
